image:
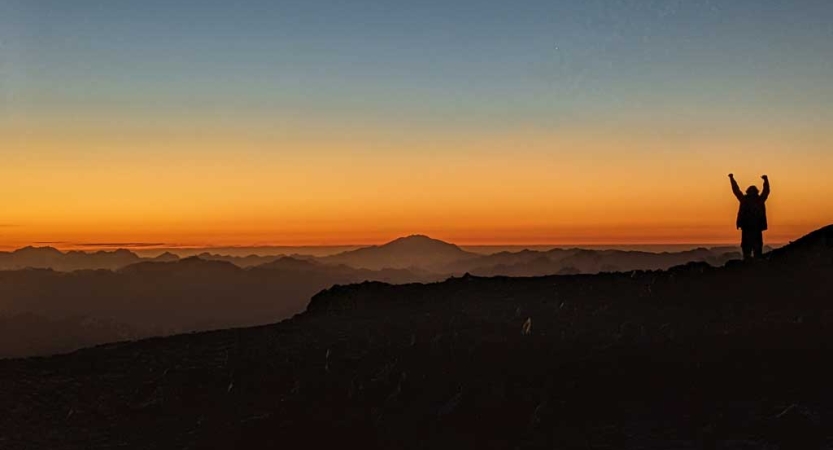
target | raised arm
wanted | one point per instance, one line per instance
(735, 188)
(765, 193)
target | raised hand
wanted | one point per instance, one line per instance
(764, 177)
(731, 175)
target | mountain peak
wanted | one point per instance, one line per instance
(418, 239)
(416, 250)
(166, 257)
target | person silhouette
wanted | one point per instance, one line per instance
(751, 217)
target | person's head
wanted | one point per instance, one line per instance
(752, 191)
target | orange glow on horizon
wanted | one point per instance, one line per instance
(334, 186)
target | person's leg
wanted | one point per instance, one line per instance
(746, 244)
(758, 244)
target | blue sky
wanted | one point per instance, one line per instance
(488, 61)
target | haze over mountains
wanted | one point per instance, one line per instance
(63, 301)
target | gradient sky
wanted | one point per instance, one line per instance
(480, 122)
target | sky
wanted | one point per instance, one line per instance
(355, 122)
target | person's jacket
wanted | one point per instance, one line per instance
(752, 210)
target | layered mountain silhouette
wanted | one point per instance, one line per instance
(79, 299)
(696, 356)
(412, 252)
(89, 298)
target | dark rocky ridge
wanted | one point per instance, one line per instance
(694, 357)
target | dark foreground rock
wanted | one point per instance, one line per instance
(695, 357)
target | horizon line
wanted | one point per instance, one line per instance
(152, 246)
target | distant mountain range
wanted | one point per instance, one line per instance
(63, 301)
(415, 252)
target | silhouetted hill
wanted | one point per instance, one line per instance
(407, 252)
(692, 357)
(814, 249)
(166, 257)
